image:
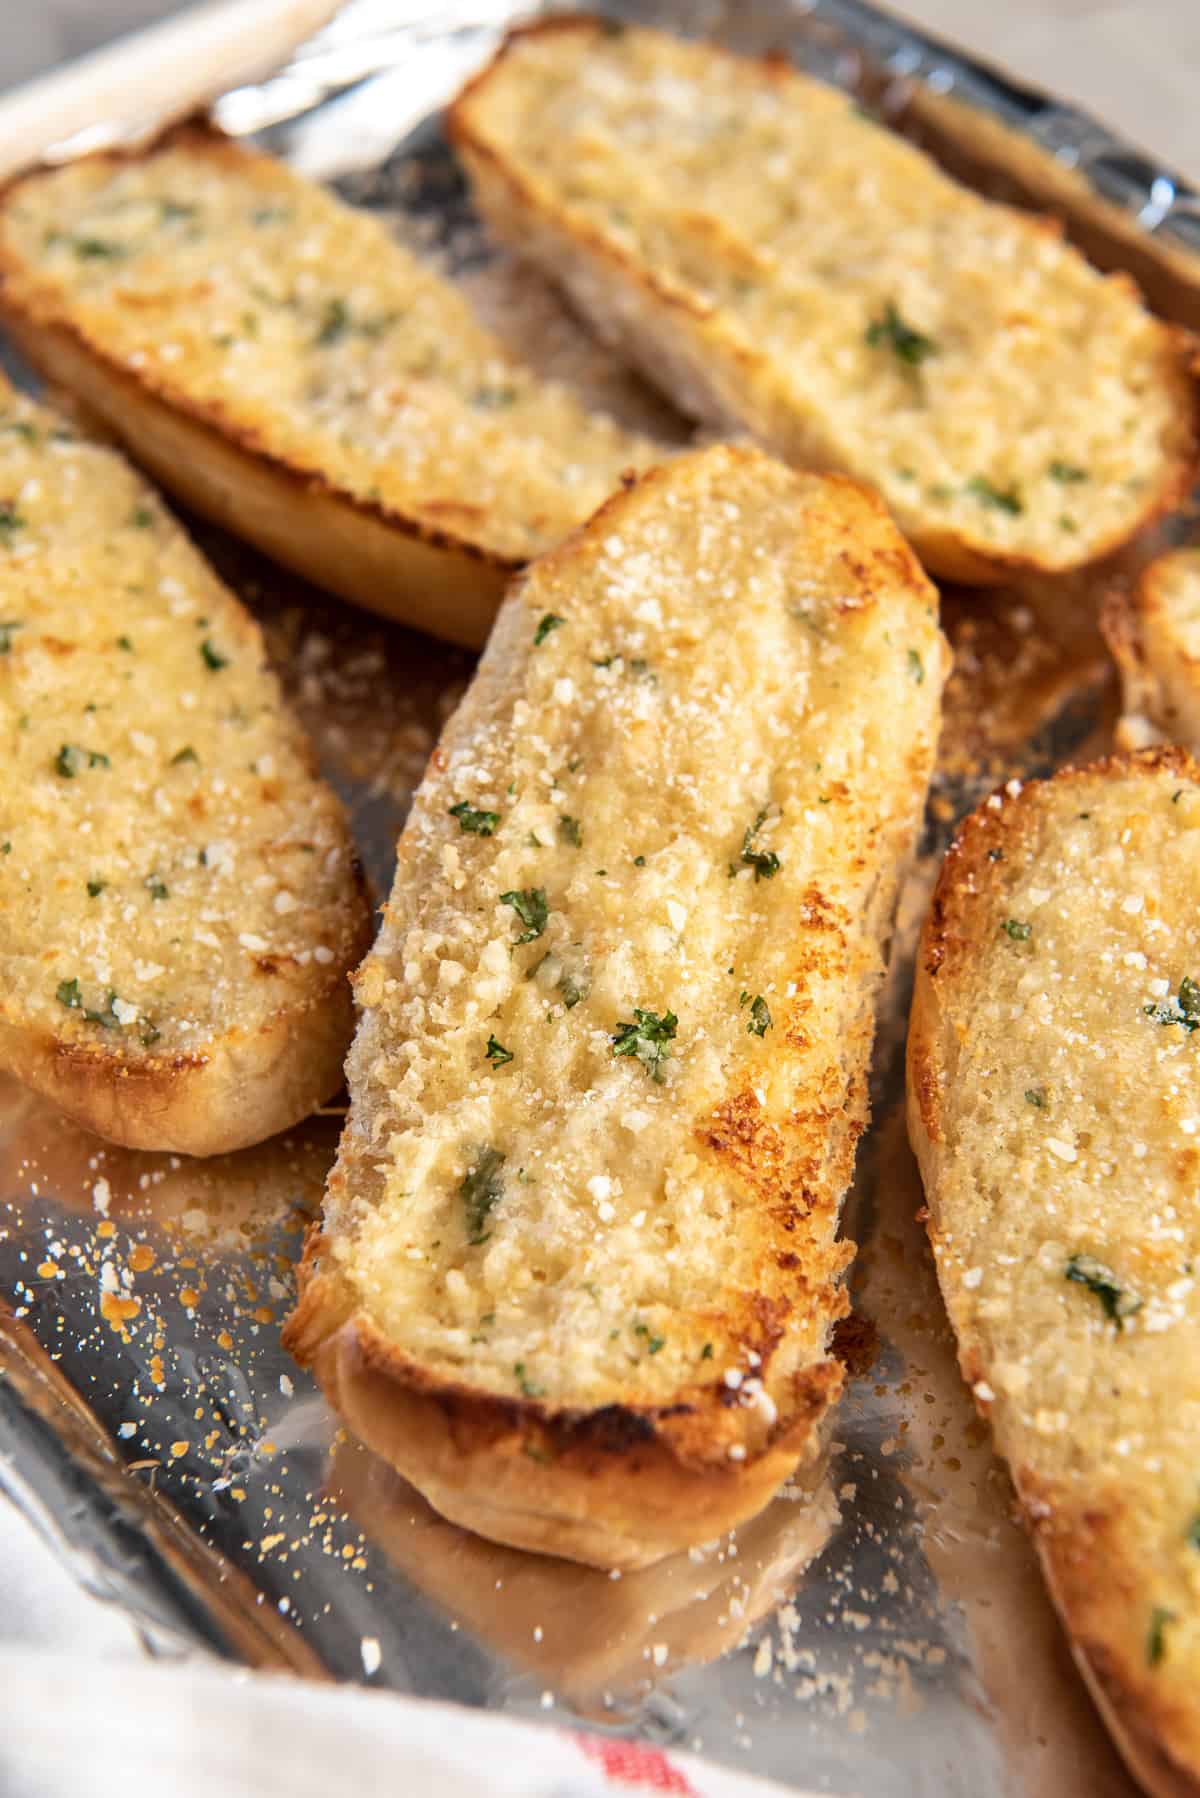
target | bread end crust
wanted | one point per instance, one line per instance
(614, 1487)
(397, 565)
(228, 1094)
(1094, 1591)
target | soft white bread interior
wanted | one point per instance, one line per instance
(579, 1260)
(284, 365)
(1054, 1106)
(777, 261)
(180, 902)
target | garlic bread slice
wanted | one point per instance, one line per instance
(579, 1261)
(1054, 1106)
(278, 360)
(180, 902)
(778, 261)
(1154, 634)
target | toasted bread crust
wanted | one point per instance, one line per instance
(1096, 1538)
(612, 1488)
(124, 834)
(361, 551)
(678, 339)
(618, 1455)
(438, 568)
(1150, 630)
(245, 1086)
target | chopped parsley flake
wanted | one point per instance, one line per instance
(1067, 472)
(497, 1054)
(10, 521)
(1184, 1010)
(524, 1382)
(647, 1038)
(765, 862)
(550, 622)
(481, 1191)
(1000, 499)
(72, 760)
(474, 823)
(891, 332)
(570, 831)
(706, 1353)
(184, 755)
(69, 994)
(1036, 1096)
(1117, 1301)
(1020, 933)
(213, 659)
(529, 903)
(916, 668)
(141, 518)
(97, 249)
(639, 861)
(1156, 1637)
(573, 988)
(335, 322)
(7, 627)
(760, 1017)
(493, 399)
(95, 888)
(156, 887)
(1193, 1532)
(124, 643)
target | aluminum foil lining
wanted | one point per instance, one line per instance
(884, 1631)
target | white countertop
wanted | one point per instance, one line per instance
(1136, 66)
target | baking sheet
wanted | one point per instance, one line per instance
(884, 1632)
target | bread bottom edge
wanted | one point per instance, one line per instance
(492, 1468)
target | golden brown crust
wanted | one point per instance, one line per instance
(618, 1488)
(970, 873)
(245, 1087)
(439, 580)
(436, 571)
(1094, 1584)
(527, 1607)
(510, 203)
(360, 551)
(1087, 1540)
(1146, 626)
